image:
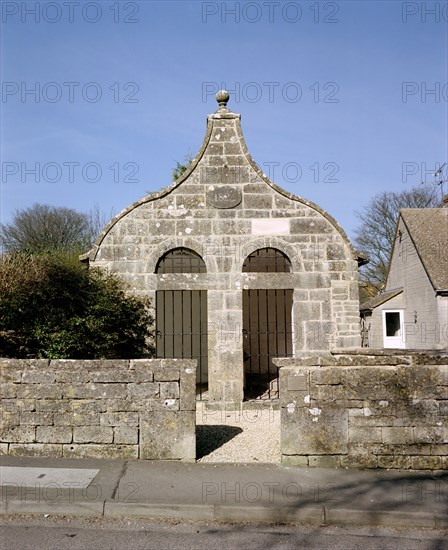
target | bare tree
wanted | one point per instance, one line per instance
(44, 228)
(97, 222)
(375, 235)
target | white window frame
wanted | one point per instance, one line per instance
(397, 342)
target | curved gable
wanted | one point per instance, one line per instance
(226, 186)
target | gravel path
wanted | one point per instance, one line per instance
(237, 436)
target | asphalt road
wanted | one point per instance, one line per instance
(40, 533)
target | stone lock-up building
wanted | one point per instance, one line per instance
(239, 270)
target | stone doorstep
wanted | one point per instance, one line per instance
(256, 404)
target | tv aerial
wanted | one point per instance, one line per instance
(439, 178)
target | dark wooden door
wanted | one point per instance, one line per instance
(267, 333)
(181, 328)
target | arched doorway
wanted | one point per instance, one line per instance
(181, 313)
(267, 324)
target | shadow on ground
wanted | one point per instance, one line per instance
(210, 438)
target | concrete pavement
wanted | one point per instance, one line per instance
(223, 492)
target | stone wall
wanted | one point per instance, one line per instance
(142, 408)
(372, 408)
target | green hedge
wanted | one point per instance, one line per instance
(52, 306)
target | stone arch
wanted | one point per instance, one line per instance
(267, 259)
(290, 251)
(181, 260)
(169, 244)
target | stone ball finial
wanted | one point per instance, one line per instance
(222, 97)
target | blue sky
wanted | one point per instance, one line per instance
(335, 97)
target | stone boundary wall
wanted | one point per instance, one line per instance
(368, 409)
(143, 408)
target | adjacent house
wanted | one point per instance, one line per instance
(412, 312)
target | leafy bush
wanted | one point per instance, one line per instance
(182, 168)
(52, 306)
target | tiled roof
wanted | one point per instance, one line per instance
(428, 228)
(380, 299)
